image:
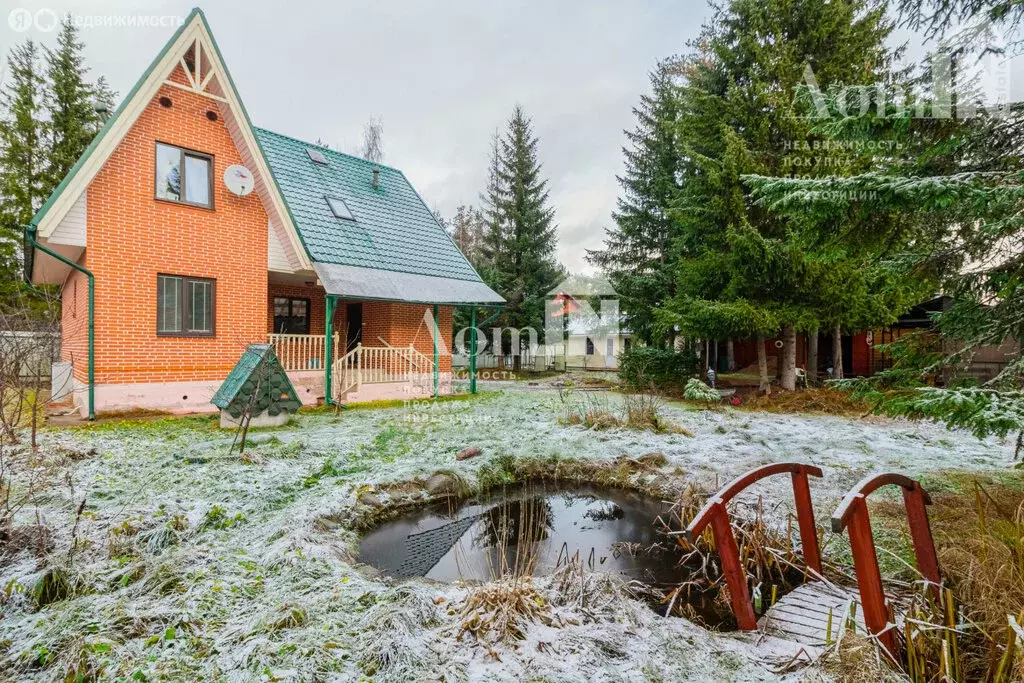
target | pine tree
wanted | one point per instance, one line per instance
(23, 160)
(521, 234)
(71, 105)
(636, 255)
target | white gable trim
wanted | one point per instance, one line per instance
(221, 89)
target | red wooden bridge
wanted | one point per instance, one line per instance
(811, 614)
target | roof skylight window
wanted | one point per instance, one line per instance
(317, 156)
(340, 209)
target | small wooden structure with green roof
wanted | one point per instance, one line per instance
(257, 384)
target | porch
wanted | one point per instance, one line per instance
(338, 349)
(363, 373)
(347, 334)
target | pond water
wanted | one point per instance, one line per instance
(533, 527)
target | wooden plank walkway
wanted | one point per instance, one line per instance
(802, 615)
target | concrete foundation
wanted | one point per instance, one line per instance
(264, 419)
(181, 398)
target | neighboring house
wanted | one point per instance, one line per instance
(864, 353)
(596, 351)
(335, 260)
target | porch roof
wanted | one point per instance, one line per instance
(392, 248)
(353, 282)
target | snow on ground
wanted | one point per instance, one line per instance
(194, 564)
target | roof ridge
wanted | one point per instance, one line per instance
(329, 150)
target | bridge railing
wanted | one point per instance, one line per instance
(715, 513)
(852, 515)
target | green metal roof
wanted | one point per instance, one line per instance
(393, 228)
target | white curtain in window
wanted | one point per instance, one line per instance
(197, 180)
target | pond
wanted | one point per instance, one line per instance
(531, 529)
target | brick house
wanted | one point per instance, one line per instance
(201, 234)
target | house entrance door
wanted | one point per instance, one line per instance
(354, 332)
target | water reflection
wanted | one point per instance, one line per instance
(526, 529)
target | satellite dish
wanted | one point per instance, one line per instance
(239, 179)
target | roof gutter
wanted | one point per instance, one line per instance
(30, 240)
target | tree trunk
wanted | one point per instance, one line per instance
(837, 352)
(787, 379)
(812, 357)
(762, 367)
(730, 356)
(715, 362)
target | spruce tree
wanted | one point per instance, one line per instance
(954, 185)
(743, 271)
(521, 233)
(23, 160)
(71, 105)
(636, 254)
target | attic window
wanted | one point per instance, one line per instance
(339, 208)
(317, 156)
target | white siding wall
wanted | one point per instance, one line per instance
(277, 258)
(71, 230)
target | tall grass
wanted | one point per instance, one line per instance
(594, 410)
(972, 630)
(768, 557)
(502, 609)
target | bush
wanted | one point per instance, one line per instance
(648, 368)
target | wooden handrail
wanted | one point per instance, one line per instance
(852, 515)
(375, 364)
(300, 351)
(865, 487)
(715, 513)
(413, 353)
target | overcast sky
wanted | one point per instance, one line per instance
(442, 75)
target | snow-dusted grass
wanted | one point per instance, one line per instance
(193, 563)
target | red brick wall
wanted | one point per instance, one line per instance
(74, 322)
(317, 305)
(400, 325)
(133, 237)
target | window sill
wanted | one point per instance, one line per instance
(188, 335)
(188, 205)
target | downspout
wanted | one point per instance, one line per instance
(30, 236)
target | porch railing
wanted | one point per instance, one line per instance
(301, 351)
(382, 364)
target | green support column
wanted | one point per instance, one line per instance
(472, 350)
(332, 302)
(437, 332)
(92, 346)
